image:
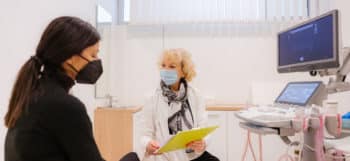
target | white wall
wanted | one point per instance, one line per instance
(22, 23)
(227, 65)
(344, 8)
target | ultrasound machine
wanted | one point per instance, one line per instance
(312, 46)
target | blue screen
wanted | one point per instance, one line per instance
(310, 42)
(297, 93)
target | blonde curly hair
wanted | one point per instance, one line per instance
(182, 57)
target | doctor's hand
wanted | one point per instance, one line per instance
(152, 147)
(198, 146)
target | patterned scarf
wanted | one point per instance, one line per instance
(180, 117)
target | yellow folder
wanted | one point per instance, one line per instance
(181, 139)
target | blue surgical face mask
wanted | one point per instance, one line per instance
(169, 77)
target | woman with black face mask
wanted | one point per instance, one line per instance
(44, 121)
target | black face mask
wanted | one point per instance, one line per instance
(90, 73)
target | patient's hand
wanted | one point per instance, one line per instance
(152, 147)
(198, 146)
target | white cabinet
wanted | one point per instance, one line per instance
(217, 144)
(237, 138)
(227, 141)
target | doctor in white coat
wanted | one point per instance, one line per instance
(175, 106)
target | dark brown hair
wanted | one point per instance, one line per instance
(64, 37)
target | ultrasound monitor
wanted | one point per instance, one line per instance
(300, 93)
(309, 46)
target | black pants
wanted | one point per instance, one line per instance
(206, 157)
(132, 156)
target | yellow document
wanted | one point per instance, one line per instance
(182, 138)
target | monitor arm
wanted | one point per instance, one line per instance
(345, 68)
(338, 83)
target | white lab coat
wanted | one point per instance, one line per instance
(155, 121)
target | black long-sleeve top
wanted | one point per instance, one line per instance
(53, 127)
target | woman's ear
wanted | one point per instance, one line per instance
(69, 61)
(71, 65)
(76, 61)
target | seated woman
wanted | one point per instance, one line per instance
(174, 107)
